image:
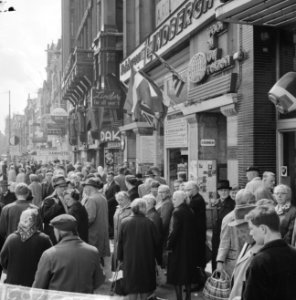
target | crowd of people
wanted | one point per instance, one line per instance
(58, 221)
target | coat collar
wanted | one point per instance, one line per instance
(279, 243)
(70, 238)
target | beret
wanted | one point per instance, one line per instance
(64, 222)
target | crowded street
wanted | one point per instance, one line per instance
(147, 149)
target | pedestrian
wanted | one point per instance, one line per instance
(136, 250)
(165, 208)
(177, 183)
(11, 174)
(78, 211)
(145, 187)
(156, 172)
(6, 195)
(154, 216)
(235, 233)
(254, 180)
(71, 265)
(120, 179)
(285, 210)
(198, 205)
(10, 215)
(110, 189)
(23, 248)
(21, 176)
(182, 246)
(123, 210)
(97, 209)
(54, 205)
(36, 189)
(46, 185)
(224, 205)
(272, 272)
(132, 187)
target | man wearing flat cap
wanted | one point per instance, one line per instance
(254, 181)
(97, 209)
(71, 265)
(54, 205)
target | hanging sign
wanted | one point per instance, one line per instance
(106, 98)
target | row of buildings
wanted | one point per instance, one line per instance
(228, 53)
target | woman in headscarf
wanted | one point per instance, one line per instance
(23, 248)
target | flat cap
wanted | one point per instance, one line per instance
(59, 180)
(64, 222)
(252, 168)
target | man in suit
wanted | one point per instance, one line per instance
(110, 189)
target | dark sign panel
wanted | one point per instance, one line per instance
(106, 98)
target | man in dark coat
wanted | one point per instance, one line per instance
(198, 205)
(54, 205)
(272, 272)
(110, 189)
(72, 265)
(224, 205)
(136, 250)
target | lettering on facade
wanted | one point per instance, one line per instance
(205, 64)
(187, 16)
(106, 98)
(110, 136)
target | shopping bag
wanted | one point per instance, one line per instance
(117, 286)
(217, 286)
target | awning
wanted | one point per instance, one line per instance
(274, 13)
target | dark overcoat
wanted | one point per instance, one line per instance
(181, 245)
(78, 211)
(136, 249)
(133, 193)
(272, 273)
(198, 205)
(223, 208)
(20, 259)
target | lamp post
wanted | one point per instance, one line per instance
(9, 127)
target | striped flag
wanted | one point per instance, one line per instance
(144, 97)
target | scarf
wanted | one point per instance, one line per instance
(282, 209)
(27, 224)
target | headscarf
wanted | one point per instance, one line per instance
(28, 223)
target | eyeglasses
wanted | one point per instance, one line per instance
(280, 193)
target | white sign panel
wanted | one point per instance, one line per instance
(176, 133)
(207, 142)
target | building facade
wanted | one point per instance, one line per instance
(91, 51)
(221, 121)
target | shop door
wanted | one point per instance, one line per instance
(288, 167)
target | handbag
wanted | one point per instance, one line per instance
(160, 275)
(117, 286)
(217, 286)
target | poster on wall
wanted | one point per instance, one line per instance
(207, 179)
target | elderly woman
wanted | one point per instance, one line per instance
(285, 211)
(181, 246)
(123, 210)
(136, 250)
(131, 183)
(23, 248)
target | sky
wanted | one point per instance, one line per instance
(24, 35)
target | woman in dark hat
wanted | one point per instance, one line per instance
(224, 205)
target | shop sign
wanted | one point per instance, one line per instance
(189, 17)
(175, 135)
(207, 143)
(205, 64)
(164, 8)
(113, 145)
(106, 98)
(110, 135)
